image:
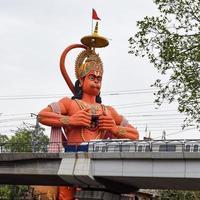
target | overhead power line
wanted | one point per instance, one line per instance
(49, 96)
(14, 114)
(160, 119)
(177, 132)
(155, 115)
(16, 119)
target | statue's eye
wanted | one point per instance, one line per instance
(99, 78)
(91, 77)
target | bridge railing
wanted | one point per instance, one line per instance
(52, 147)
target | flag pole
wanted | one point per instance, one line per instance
(92, 27)
(94, 40)
(92, 22)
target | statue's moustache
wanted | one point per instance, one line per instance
(95, 86)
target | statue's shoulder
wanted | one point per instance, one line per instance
(116, 116)
(66, 104)
(110, 108)
(66, 101)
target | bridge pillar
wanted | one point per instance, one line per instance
(76, 170)
(98, 195)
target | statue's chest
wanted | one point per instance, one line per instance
(93, 109)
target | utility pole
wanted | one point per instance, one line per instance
(147, 136)
(163, 135)
(35, 132)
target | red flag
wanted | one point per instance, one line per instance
(94, 15)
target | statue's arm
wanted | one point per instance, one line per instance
(50, 118)
(118, 126)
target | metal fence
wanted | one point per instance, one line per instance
(31, 147)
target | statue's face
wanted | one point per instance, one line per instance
(91, 84)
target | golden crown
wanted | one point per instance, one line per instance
(87, 61)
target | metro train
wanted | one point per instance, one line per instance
(126, 145)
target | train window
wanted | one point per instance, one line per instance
(195, 149)
(147, 148)
(104, 149)
(125, 147)
(163, 147)
(116, 148)
(187, 148)
(140, 148)
(167, 147)
(171, 147)
(96, 149)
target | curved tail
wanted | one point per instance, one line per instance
(62, 65)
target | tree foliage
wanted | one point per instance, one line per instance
(28, 140)
(13, 192)
(4, 146)
(171, 42)
(25, 139)
(3, 138)
(179, 195)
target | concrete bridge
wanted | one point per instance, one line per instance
(117, 172)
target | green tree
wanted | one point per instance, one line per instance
(5, 192)
(25, 139)
(171, 42)
(28, 139)
(179, 195)
(14, 192)
(4, 143)
(3, 138)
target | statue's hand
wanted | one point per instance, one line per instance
(81, 118)
(107, 123)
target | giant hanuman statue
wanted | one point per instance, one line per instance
(83, 117)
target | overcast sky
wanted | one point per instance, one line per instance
(34, 33)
